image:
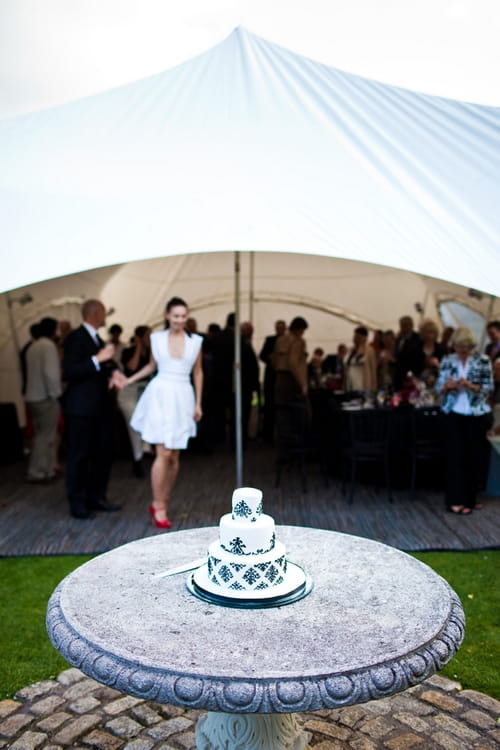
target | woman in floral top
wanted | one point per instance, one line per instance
(466, 381)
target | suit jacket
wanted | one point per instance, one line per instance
(409, 357)
(249, 369)
(267, 349)
(87, 393)
(266, 356)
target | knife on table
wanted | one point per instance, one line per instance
(182, 568)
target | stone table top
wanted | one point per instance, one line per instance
(376, 622)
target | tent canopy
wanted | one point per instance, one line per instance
(250, 146)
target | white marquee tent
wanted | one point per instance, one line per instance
(343, 195)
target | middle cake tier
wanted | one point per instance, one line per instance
(243, 538)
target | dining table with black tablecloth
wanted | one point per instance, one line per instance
(330, 414)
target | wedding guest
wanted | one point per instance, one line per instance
(360, 364)
(446, 339)
(168, 410)
(65, 329)
(495, 396)
(222, 349)
(334, 367)
(208, 425)
(115, 331)
(250, 384)
(493, 479)
(387, 361)
(43, 389)
(290, 363)
(377, 341)
(432, 349)
(34, 335)
(88, 367)
(465, 380)
(266, 356)
(315, 368)
(134, 358)
(409, 355)
(192, 325)
(493, 348)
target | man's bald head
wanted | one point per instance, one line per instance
(94, 313)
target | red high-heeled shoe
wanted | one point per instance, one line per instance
(163, 523)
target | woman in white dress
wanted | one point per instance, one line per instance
(168, 410)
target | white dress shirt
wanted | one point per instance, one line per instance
(92, 331)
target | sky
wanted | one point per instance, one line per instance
(53, 51)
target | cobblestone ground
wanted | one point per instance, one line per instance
(75, 711)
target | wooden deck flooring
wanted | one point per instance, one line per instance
(34, 520)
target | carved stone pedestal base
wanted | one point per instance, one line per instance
(220, 731)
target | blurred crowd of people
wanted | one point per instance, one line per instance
(52, 372)
(420, 368)
(383, 363)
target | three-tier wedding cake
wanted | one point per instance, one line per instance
(247, 566)
(247, 556)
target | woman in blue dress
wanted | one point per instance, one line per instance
(168, 410)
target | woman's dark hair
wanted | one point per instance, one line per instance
(175, 302)
(298, 324)
(361, 330)
(47, 327)
(35, 331)
(141, 331)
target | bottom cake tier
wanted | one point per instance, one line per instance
(234, 572)
(296, 586)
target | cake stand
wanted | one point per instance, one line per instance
(376, 622)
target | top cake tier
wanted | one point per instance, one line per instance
(247, 504)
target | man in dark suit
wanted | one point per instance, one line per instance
(222, 349)
(87, 368)
(409, 352)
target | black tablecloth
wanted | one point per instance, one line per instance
(330, 426)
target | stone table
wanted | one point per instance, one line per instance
(376, 622)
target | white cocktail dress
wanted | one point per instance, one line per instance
(165, 412)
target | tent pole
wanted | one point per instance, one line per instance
(13, 329)
(23, 300)
(251, 287)
(237, 372)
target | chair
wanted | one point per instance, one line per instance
(292, 428)
(11, 436)
(369, 435)
(426, 439)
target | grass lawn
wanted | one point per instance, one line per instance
(27, 656)
(475, 576)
